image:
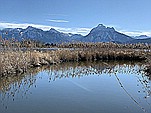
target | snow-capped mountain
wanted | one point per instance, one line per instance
(51, 36)
(100, 33)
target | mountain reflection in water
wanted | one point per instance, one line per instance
(20, 87)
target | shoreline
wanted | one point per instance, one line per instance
(19, 61)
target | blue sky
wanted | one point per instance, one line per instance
(132, 17)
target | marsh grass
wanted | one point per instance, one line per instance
(14, 60)
(104, 45)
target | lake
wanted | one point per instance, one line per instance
(84, 87)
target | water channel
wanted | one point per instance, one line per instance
(84, 87)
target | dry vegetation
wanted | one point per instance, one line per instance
(104, 45)
(14, 60)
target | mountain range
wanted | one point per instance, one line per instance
(100, 33)
(141, 37)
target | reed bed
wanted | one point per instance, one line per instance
(104, 45)
(19, 62)
(99, 54)
(113, 51)
(14, 60)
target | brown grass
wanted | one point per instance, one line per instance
(13, 62)
(18, 62)
(104, 45)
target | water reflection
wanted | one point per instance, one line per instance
(21, 86)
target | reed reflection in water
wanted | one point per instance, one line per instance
(83, 80)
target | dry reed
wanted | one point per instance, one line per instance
(13, 60)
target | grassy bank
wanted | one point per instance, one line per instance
(18, 62)
(14, 59)
(13, 62)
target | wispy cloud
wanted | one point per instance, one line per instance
(83, 31)
(136, 33)
(57, 21)
(130, 33)
(22, 25)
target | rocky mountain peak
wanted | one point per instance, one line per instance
(52, 30)
(110, 28)
(30, 28)
(102, 28)
(101, 33)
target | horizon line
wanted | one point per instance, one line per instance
(80, 30)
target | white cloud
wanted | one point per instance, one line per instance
(58, 21)
(23, 25)
(136, 33)
(83, 31)
(130, 33)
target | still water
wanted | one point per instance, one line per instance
(85, 87)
